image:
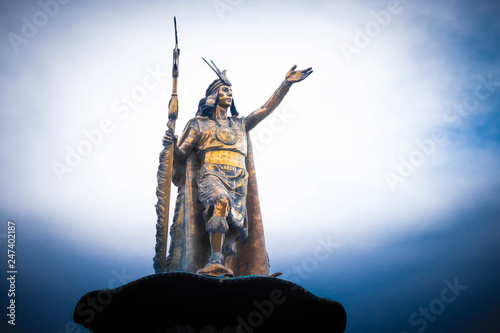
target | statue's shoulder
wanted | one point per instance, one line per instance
(197, 121)
(200, 118)
(238, 119)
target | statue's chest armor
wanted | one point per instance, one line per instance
(228, 135)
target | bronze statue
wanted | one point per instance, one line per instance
(217, 226)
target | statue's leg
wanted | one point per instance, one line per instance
(217, 227)
(228, 250)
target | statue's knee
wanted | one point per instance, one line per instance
(223, 202)
(222, 207)
(217, 224)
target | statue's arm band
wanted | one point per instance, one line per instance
(283, 89)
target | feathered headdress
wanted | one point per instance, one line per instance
(207, 103)
(221, 75)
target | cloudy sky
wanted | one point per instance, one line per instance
(385, 160)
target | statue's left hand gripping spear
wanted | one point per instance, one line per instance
(165, 171)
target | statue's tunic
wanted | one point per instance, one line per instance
(189, 247)
(223, 173)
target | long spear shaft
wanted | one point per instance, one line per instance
(165, 171)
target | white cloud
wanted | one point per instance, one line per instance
(323, 173)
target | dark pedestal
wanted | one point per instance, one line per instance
(185, 302)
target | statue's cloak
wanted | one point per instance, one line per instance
(189, 242)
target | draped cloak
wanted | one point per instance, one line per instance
(189, 241)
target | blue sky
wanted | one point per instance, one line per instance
(385, 160)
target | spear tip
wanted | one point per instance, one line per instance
(175, 27)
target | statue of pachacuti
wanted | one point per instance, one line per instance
(217, 202)
(217, 226)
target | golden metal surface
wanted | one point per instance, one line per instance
(216, 241)
(225, 157)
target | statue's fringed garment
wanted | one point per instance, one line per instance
(189, 244)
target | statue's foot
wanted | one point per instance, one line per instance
(215, 267)
(215, 270)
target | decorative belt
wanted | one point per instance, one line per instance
(225, 157)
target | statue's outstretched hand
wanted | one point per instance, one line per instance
(296, 76)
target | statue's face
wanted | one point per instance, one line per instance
(225, 97)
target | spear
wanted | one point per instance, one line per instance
(165, 171)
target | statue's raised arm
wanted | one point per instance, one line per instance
(291, 77)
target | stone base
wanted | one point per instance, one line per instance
(186, 302)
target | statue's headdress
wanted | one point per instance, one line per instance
(222, 75)
(207, 104)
